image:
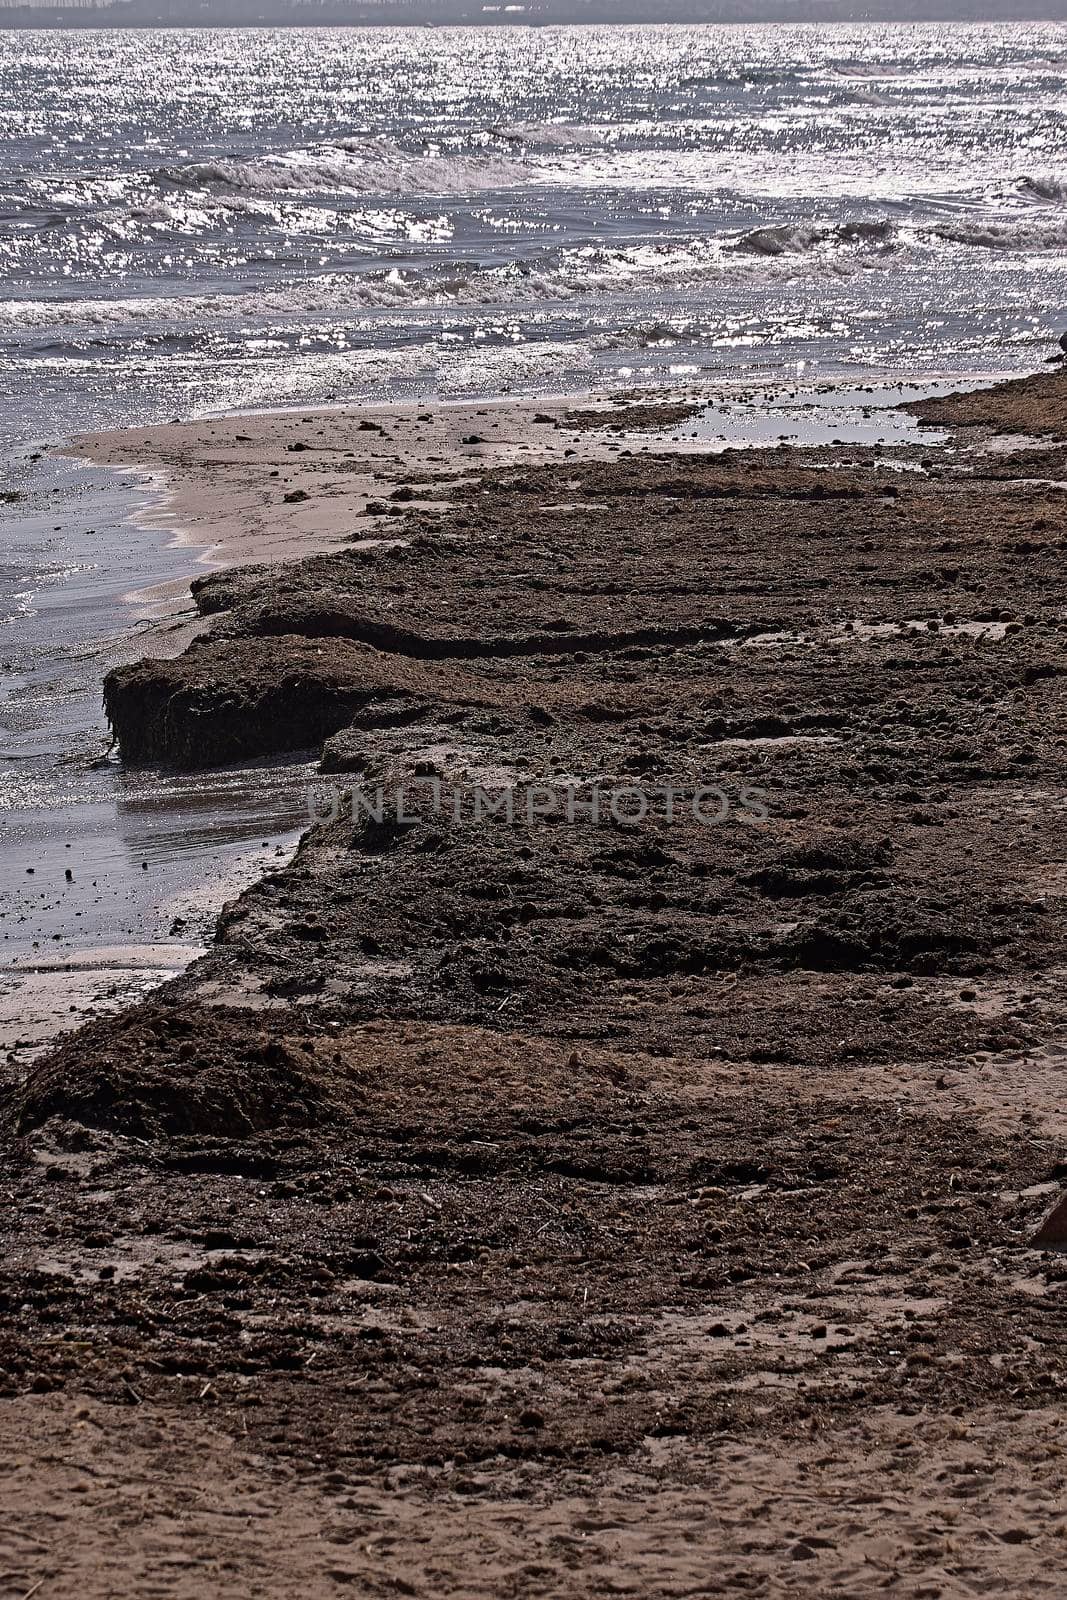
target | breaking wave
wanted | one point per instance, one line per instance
(796, 238)
(885, 236)
(1050, 190)
(783, 251)
(353, 166)
(570, 275)
(997, 233)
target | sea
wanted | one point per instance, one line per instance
(210, 221)
(205, 220)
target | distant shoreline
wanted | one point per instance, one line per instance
(129, 14)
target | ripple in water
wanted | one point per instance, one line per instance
(284, 216)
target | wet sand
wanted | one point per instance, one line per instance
(284, 485)
(281, 486)
(617, 1202)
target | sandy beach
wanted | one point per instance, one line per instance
(609, 1157)
(282, 486)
